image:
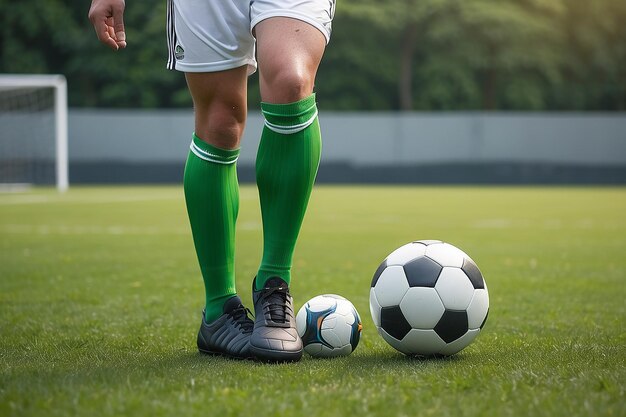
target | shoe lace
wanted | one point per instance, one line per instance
(275, 303)
(241, 318)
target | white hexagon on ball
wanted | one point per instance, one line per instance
(422, 342)
(338, 327)
(391, 286)
(422, 307)
(460, 343)
(477, 310)
(331, 332)
(406, 253)
(345, 310)
(454, 288)
(445, 254)
(374, 308)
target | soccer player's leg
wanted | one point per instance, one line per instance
(212, 198)
(289, 53)
(211, 43)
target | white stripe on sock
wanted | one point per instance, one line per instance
(287, 130)
(207, 156)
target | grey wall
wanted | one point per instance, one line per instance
(361, 141)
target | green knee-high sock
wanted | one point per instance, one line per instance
(286, 166)
(212, 197)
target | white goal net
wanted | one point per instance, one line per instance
(33, 131)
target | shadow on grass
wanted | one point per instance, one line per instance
(111, 367)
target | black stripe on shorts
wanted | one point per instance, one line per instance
(171, 36)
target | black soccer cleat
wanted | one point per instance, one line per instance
(275, 337)
(229, 334)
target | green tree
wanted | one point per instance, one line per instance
(594, 77)
(355, 73)
(406, 21)
(59, 38)
(468, 42)
(511, 47)
(393, 54)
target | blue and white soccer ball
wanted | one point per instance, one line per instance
(329, 326)
(429, 298)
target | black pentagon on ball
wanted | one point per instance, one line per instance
(473, 273)
(452, 325)
(393, 322)
(378, 272)
(422, 272)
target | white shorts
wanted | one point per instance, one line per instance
(216, 35)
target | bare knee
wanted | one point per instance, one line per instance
(221, 127)
(219, 100)
(286, 85)
(289, 52)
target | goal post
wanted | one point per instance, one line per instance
(13, 85)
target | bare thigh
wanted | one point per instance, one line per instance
(219, 100)
(289, 52)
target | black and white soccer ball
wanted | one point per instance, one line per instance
(329, 326)
(429, 298)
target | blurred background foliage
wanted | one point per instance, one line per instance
(384, 55)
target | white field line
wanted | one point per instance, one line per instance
(44, 199)
(13, 199)
(89, 230)
(46, 229)
(24, 199)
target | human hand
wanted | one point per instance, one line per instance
(107, 17)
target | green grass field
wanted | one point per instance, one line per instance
(100, 300)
